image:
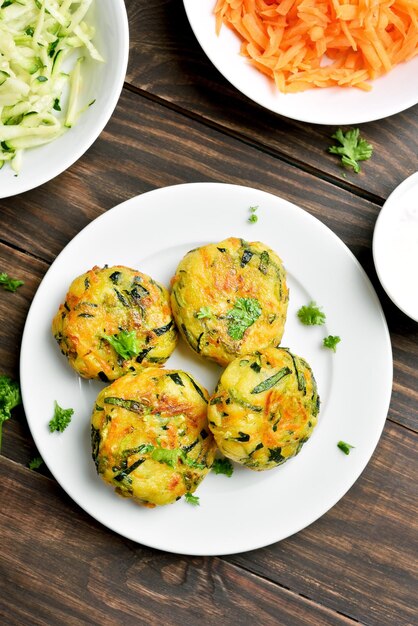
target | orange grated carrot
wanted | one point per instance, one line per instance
(303, 44)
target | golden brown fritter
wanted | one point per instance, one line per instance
(230, 298)
(264, 409)
(150, 436)
(112, 320)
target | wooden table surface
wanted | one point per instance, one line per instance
(179, 121)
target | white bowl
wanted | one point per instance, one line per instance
(102, 82)
(395, 246)
(392, 93)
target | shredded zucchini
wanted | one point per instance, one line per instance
(36, 37)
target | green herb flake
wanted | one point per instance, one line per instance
(191, 499)
(331, 342)
(30, 31)
(41, 79)
(164, 455)
(124, 343)
(345, 447)
(35, 463)
(9, 284)
(9, 399)
(253, 218)
(61, 419)
(204, 312)
(56, 106)
(352, 149)
(223, 466)
(245, 312)
(311, 315)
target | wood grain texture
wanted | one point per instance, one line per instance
(168, 63)
(359, 558)
(68, 569)
(158, 147)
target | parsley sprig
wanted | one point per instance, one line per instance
(245, 312)
(61, 419)
(311, 315)
(191, 499)
(35, 463)
(9, 284)
(124, 343)
(331, 342)
(9, 399)
(352, 148)
(223, 466)
(204, 312)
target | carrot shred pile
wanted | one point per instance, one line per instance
(304, 44)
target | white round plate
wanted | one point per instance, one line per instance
(392, 93)
(395, 246)
(101, 82)
(251, 509)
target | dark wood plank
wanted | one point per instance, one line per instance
(59, 566)
(359, 558)
(157, 147)
(169, 63)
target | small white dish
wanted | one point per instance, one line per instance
(391, 94)
(101, 82)
(251, 509)
(395, 246)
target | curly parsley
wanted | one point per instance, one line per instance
(35, 463)
(353, 148)
(9, 284)
(245, 312)
(311, 315)
(331, 342)
(61, 419)
(223, 466)
(191, 499)
(9, 399)
(203, 312)
(124, 343)
(253, 217)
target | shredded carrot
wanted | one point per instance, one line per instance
(304, 44)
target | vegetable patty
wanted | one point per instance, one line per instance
(230, 298)
(149, 435)
(264, 409)
(114, 319)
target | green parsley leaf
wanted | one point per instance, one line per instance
(9, 399)
(191, 499)
(56, 106)
(9, 284)
(30, 31)
(223, 466)
(331, 342)
(164, 455)
(35, 463)
(353, 148)
(311, 315)
(203, 312)
(124, 343)
(345, 447)
(61, 419)
(253, 218)
(245, 312)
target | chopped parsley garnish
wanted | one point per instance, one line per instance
(223, 466)
(331, 342)
(311, 315)
(245, 312)
(61, 419)
(124, 343)
(35, 463)
(56, 104)
(191, 499)
(253, 217)
(9, 399)
(345, 447)
(203, 312)
(9, 284)
(353, 148)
